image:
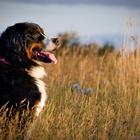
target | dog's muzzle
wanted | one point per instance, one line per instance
(51, 43)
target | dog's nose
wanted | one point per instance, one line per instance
(56, 41)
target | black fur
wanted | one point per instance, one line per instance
(16, 84)
(13, 42)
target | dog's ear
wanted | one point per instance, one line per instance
(12, 40)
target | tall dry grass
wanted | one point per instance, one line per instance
(112, 111)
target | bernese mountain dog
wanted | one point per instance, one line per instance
(23, 47)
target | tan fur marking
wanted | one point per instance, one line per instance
(30, 50)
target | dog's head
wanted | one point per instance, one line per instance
(27, 42)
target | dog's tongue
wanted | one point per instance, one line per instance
(50, 56)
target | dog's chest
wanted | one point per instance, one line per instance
(38, 73)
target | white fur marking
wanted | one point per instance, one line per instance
(41, 87)
(48, 42)
(37, 73)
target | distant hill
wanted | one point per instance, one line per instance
(115, 40)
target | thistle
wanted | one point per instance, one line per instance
(82, 91)
(89, 90)
(76, 86)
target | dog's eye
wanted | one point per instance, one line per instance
(36, 35)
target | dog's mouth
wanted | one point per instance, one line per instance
(45, 57)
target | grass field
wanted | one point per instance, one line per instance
(111, 112)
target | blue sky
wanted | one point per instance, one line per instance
(86, 17)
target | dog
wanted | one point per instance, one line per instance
(23, 48)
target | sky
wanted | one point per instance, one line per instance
(85, 17)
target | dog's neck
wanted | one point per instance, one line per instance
(5, 62)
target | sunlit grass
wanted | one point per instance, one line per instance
(110, 111)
